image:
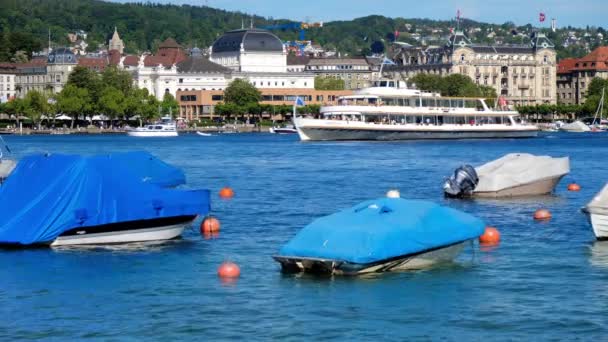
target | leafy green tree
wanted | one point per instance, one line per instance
(73, 101)
(117, 78)
(241, 93)
(37, 105)
(111, 102)
(170, 105)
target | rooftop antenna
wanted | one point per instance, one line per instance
(458, 20)
(49, 40)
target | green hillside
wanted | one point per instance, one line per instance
(24, 25)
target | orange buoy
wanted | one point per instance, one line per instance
(542, 214)
(490, 236)
(226, 192)
(574, 187)
(210, 225)
(228, 270)
(211, 236)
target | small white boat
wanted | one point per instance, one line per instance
(136, 231)
(6, 165)
(287, 129)
(515, 174)
(597, 211)
(576, 126)
(165, 128)
(203, 134)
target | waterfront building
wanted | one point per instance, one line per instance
(254, 55)
(200, 104)
(575, 74)
(356, 72)
(31, 76)
(250, 50)
(116, 43)
(8, 73)
(523, 74)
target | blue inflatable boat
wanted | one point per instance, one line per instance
(385, 234)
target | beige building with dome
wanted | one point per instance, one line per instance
(523, 74)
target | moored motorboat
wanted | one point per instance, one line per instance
(597, 212)
(385, 234)
(90, 200)
(515, 174)
(165, 128)
(287, 129)
(203, 134)
(576, 126)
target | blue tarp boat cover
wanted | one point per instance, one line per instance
(381, 229)
(47, 195)
(149, 168)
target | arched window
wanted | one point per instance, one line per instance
(545, 59)
(166, 90)
(462, 57)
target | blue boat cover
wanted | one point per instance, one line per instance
(382, 229)
(149, 168)
(47, 195)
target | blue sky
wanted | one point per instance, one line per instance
(567, 12)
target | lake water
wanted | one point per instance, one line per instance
(545, 281)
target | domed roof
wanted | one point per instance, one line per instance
(251, 40)
(62, 56)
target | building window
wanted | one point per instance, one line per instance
(305, 84)
(167, 91)
(462, 57)
(187, 98)
(217, 97)
(181, 80)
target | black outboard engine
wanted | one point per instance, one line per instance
(462, 182)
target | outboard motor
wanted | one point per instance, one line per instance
(462, 182)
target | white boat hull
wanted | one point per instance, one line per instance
(405, 263)
(326, 130)
(599, 222)
(126, 236)
(152, 134)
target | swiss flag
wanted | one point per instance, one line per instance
(541, 17)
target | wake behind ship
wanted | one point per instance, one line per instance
(391, 111)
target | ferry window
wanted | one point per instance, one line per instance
(471, 103)
(383, 84)
(445, 103)
(391, 84)
(389, 101)
(418, 102)
(410, 119)
(372, 100)
(460, 120)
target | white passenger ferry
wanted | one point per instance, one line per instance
(391, 111)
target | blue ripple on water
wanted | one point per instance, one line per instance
(547, 280)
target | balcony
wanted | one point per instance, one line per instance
(523, 86)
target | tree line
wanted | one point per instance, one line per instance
(453, 85)
(88, 93)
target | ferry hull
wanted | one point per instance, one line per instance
(142, 134)
(333, 134)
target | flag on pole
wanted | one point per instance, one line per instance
(299, 102)
(541, 17)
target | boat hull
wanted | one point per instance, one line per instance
(410, 262)
(599, 222)
(152, 134)
(541, 187)
(156, 230)
(347, 133)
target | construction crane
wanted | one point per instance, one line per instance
(301, 27)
